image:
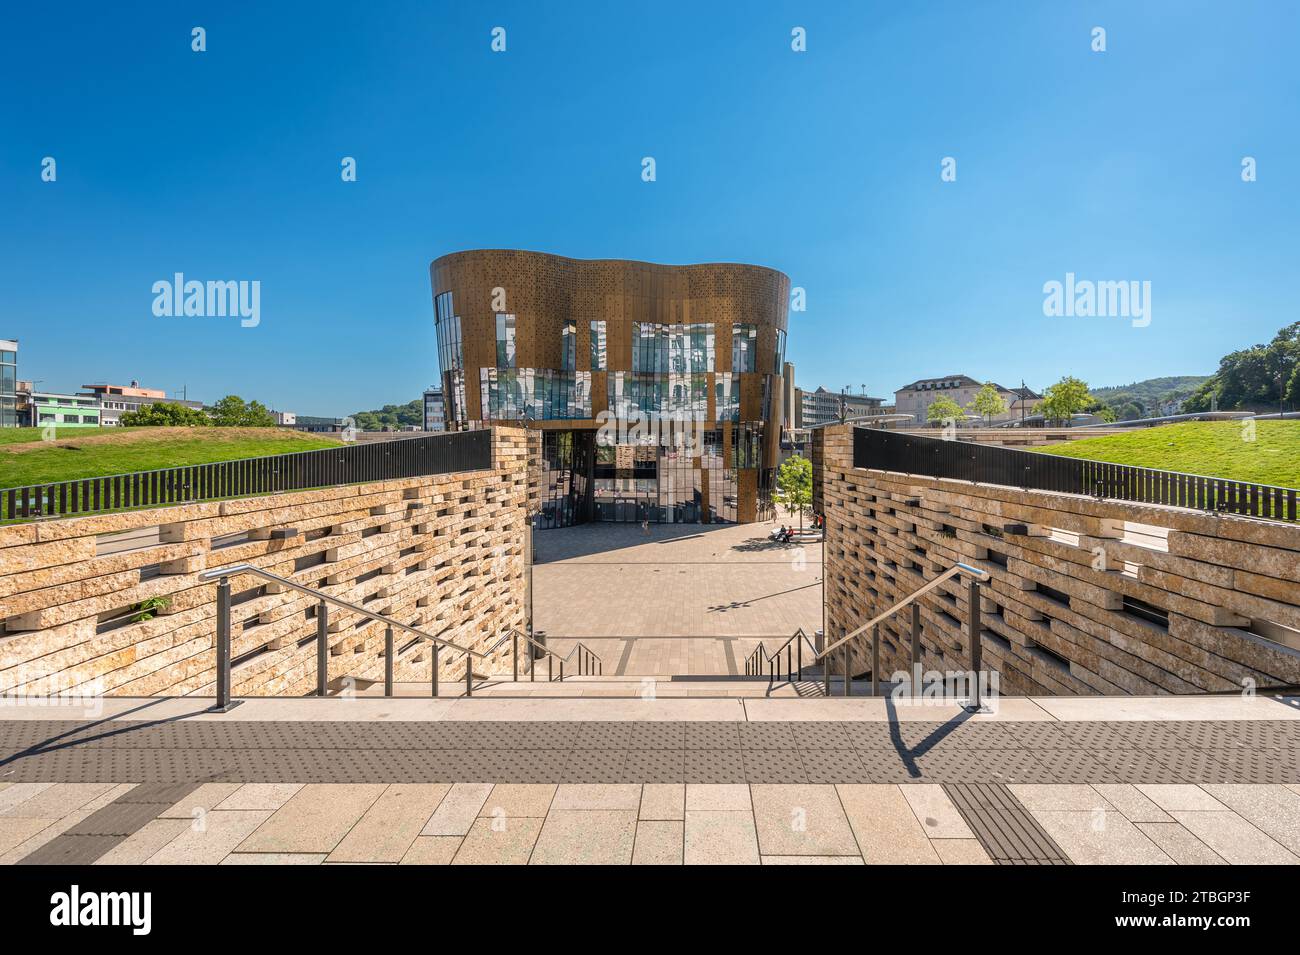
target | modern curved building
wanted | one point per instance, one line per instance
(657, 387)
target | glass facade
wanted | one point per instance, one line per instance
(569, 346)
(599, 349)
(666, 395)
(744, 347)
(672, 348)
(8, 384)
(451, 358)
(538, 393)
(688, 439)
(726, 397)
(505, 341)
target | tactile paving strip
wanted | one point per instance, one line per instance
(103, 829)
(826, 751)
(1009, 834)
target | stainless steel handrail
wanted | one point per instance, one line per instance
(236, 569)
(966, 569)
(755, 661)
(585, 656)
(223, 574)
(976, 577)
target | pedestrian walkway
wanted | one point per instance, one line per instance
(841, 781)
(685, 600)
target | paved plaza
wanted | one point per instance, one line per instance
(1203, 780)
(682, 599)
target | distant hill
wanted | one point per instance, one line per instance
(1145, 399)
(391, 416)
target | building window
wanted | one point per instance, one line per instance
(680, 349)
(744, 347)
(505, 341)
(778, 365)
(569, 346)
(726, 397)
(542, 394)
(599, 353)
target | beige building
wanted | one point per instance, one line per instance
(915, 399)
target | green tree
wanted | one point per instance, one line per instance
(1065, 398)
(165, 414)
(393, 417)
(1255, 378)
(794, 484)
(943, 407)
(988, 403)
(233, 412)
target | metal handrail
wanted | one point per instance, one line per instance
(976, 576)
(755, 661)
(966, 569)
(235, 569)
(224, 703)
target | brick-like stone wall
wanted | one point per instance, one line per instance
(442, 553)
(1078, 586)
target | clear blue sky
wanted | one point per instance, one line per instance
(824, 164)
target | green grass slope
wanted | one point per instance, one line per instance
(81, 453)
(1211, 448)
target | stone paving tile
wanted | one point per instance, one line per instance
(621, 796)
(718, 797)
(260, 796)
(432, 850)
(1183, 796)
(459, 808)
(222, 831)
(663, 801)
(56, 801)
(499, 841)
(387, 829)
(812, 860)
(18, 793)
(659, 842)
(203, 799)
(314, 819)
(801, 820)
(1274, 810)
(961, 852)
(1055, 798)
(1132, 802)
(885, 826)
(939, 817)
(591, 837)
(14, 832)
(720, 837)
(516, 800)
(1235, 839)
(274, 858)
(144, 842)
(1179, 844)
(1100, 837)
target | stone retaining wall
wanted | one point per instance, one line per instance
(443, 553)
(1078, 586)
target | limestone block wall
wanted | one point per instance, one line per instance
(1085, 596)
(442, 553)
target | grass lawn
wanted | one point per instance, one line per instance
(81, 453)
(1210, 448)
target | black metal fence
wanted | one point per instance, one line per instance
(990, 464)
(347, 464)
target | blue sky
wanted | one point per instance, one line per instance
(1123, 165)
